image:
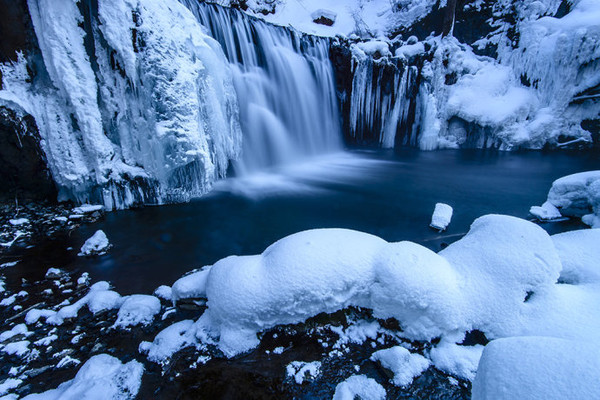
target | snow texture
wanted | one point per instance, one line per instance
(359, 386)
(545, 212)
(538, 368)
(102, 377)
(190, 286)
(442, 215)
(96, 245)
(404, 365)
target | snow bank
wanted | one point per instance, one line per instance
(96, 245)
(404, 365)
(442, 215)
(101, 377)
(138, 309)
(359, 386)
(486, 281)
(538, 368)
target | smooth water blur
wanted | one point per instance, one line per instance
(391, 195)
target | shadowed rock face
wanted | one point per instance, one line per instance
(25, 175)
(15, 29)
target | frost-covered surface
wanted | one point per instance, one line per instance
(538, 368)
(159, 123)
(101, 377)
(404, 364)
(96, 245)
(442, 215)
(359, 386)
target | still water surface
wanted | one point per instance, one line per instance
(389, 194)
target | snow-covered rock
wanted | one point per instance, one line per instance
(578, 195)
(137, 309)
(579, 252)
(101, 377)
(500, 278)
(404, 365)
(190, 286)
(302, 371)
(460, 361)
(359, 386)
(442, 215)
(96, 245)
(545, 212)
(538, 368)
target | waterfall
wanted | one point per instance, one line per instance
(285, 87)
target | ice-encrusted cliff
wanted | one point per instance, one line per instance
(134, 103)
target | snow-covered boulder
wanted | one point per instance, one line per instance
(96, 245)
(442, 215)
(359, 386)
(192, 286)
(137, 309)
(578, 195)
(404, 365)
(545, 212)
(541, 368)
(101, 377)
(456, 360)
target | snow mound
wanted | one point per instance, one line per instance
(578, 195)
(101, 377)
(168, 341)
(442, 215)
(96, 245)
(405, 365)
(538, 368)
(484, 281)
(138, 309)
(359, 386)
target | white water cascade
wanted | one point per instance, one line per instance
(285, 87)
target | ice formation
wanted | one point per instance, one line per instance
(101, 377)
(146, 113)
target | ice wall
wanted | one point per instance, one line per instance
(134, 103)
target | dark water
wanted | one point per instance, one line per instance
(391, 195)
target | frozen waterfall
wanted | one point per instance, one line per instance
(285, 86)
